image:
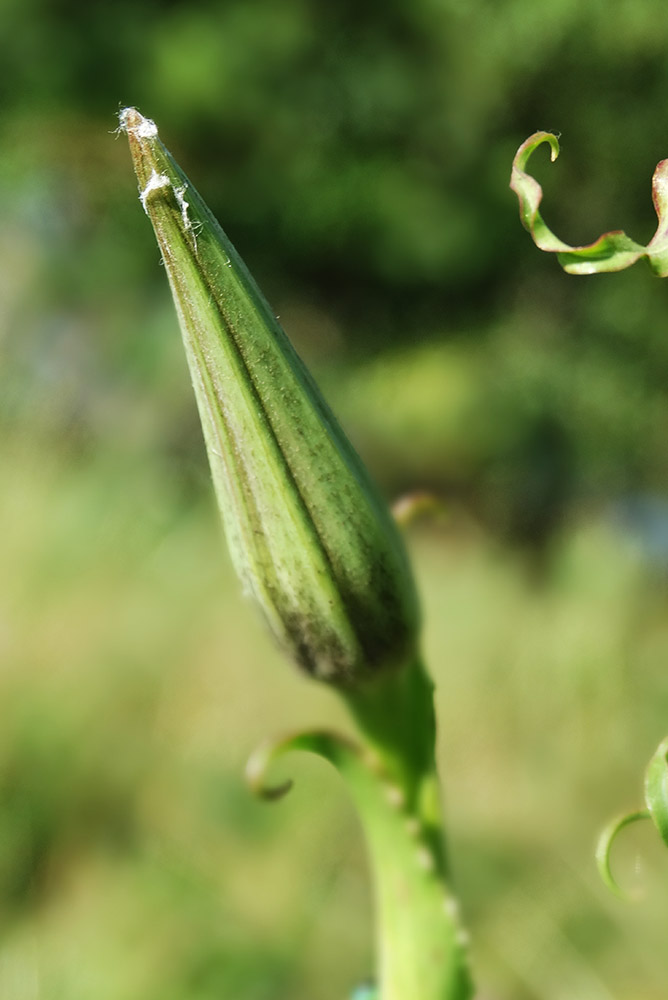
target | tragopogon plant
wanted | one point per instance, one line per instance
(315, 545)
(612, 251)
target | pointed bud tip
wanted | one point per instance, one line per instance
(145, 148)
(132, 122)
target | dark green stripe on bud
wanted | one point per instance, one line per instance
(309, 536)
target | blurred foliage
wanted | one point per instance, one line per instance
(135, 864)
(358, 156)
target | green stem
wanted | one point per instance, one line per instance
(421, 945)
(422, 948)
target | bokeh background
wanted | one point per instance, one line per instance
(358, 155)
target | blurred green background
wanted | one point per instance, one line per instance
(358, 156)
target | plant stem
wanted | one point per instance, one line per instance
(421, 943)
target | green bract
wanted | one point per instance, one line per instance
(612, 251)
(309, 536)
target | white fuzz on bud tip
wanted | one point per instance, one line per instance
(132, 121)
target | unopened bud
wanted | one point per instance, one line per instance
(308, 533)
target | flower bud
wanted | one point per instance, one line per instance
(309, 536)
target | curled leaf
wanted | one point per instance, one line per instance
(613, 251)
(604, 849)
(656, 800)
(332, 747)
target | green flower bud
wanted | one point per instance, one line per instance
(309, 536)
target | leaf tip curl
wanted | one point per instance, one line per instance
(256, 773)
(604, 850)
(614, 250)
